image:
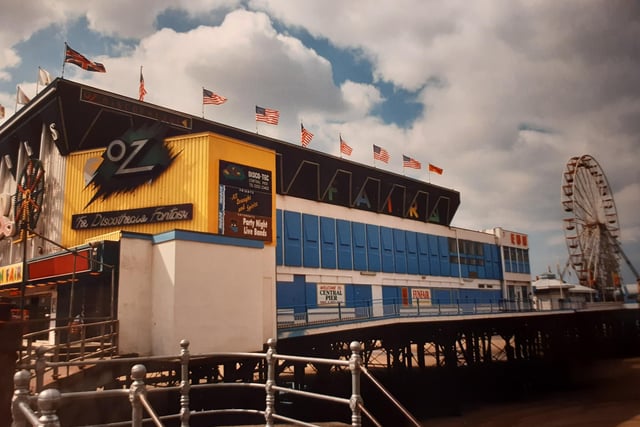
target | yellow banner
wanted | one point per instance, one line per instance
(10, 274)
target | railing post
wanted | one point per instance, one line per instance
(184, 383)
(138, 372)
(48, 402)
(20, 396)
(102, 333)
(270, 400)
(356, 399)
(56, 353)
(41, 365)
(339, 311)
(418, 302)
(83, 338)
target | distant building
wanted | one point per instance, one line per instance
(553, 293)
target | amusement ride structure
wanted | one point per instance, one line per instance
(591, 226)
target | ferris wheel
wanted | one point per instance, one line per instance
(591, 225)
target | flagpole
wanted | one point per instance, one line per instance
(64, 60)
(203, 102)
(15, 109)
(38, 81)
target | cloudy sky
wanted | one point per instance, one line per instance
(500, 94)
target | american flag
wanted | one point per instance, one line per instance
(408, 162)
(436, 169)
(141, 91)
(305, 136)
(267, 115)
(344, 147)
(73, 57)
(209, 97)
(381, 154)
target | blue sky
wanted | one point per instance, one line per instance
(500, 94)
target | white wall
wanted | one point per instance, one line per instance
(224, 298)
(220, 297)
(134, 296)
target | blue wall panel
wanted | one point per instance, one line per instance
(359, 236)
(343, 231)
(480, 269)
(328, 242)
(292, 239)
(488, 261)
(479, 296)
(292, 294)
(497, 262)
(400, 250)
(434, 258)
(279, 256)
(443, 247)
(373, 248)
(412, 253)
(444, 296)
(311, 241)
(386, 246)
(390, 298)
(424, 259)
(361, 299)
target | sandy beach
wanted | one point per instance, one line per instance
(608, 396)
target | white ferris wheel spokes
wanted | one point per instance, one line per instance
(590, 224)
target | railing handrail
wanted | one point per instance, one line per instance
(310, 316)
(49, 400)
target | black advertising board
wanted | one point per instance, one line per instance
(245, 201)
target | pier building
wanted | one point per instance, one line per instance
(182, 227)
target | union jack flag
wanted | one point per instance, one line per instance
(73, 57)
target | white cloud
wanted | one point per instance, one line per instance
(511, 89)
(362, 97)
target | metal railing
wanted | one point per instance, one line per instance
(40, 409)
(305, 316)
(73, 342)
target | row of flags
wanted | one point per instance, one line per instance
(381, 154)
(272, 117)
(265, 115)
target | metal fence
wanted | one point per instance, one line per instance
(77, 341)
(305, 316)
(40, 408)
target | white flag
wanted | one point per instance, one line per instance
(22, 97)
(44, 78)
